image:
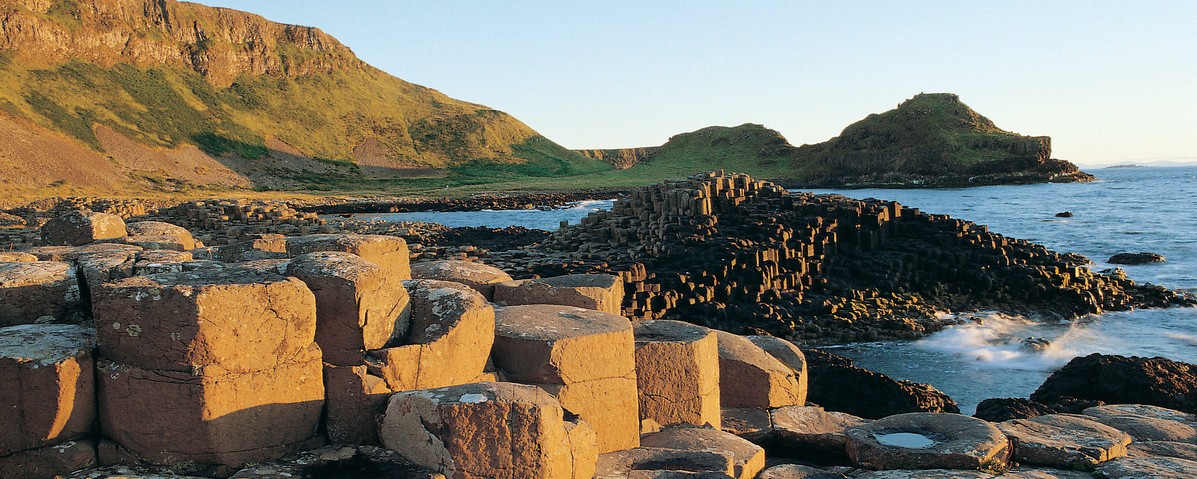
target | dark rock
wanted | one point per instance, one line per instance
(837, 385)
(1064, 214)
(1136, 258)
(1122, 380)
(1005, 409)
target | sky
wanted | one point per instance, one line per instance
(1110, 82)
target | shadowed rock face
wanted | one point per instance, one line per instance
(1122, 380)
(839, 386)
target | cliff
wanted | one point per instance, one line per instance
(173, 95)
(621, 158)
(749, 148)
(930, 140)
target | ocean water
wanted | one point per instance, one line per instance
(1128, 210)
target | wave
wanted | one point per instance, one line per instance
(998, 341)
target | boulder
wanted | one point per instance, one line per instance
(481, 277)
(747, 459)
(1147, 468)
(1123, 380)
(751, 377)
(451, 334)
(677, 373)
(80, 227)
(48, 397)
(1136, 258)
(586, 357)
(213, 416)
(1068, 441)
(838, 385)
(339, 462)
(51, 461)
(38, 292)
(928, 441)
(494, 430)
(240, 320)
(1005, 409)
(788, 354)
(599, 292)
(1182, 450)
(358, 306)
(16, 257)
(156, 235)
(354, 401)
(810, 433)
(388, 252)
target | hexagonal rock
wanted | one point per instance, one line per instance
(656, 462)
(452, 330)
(213, 417)
(269, 246)
(925, 474)
(52, 461)
(677, 373)
(751, 377)
(72, 253)
(1020, 472)
(481, 277)
(42, 291)
(81, 227)
(1068, 441)
(388, 252)
(600, 292)
(358, 306)
(586, 357)
(1182, 450)
(239, 320)
(788, 354)
(354, 399)
(1142, 410)
(493, 430)
(16, 257)
(811, 433)
(339, 461)
(48, 395)
(156, 235)
(747, 422)
(1147, 423)
(1148, 467)
(748, 459)
(797, 471)
(927, 441)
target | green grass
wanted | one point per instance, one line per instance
(747, 148)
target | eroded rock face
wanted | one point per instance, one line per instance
(584, 357)
(451, 335)
(496, 430)
(747, 459)
(48, 397)
(751, 377)
(481, 277)
(677, 373)
(1067, 441)
(355, 400)
(1122, 380)
(599, 292)
(928, 441)
(38, 292)
(80, 227)
(358, 306)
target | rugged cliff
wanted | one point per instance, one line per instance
(225, 98)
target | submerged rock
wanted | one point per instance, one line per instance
(1136, 258)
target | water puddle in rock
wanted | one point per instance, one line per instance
(908, 440)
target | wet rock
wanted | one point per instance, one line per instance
(1066, 441)
(585, 358)
(499, 430)
(452, 332)
(810, 433)
(80, 227)
(928, 441)
(48, 397)
(1147, 467)
(1005, 409)
(358, 306)
(747, 458)
(589, 291)
(481, 277)
(1136, 258)
(1123, 380)
(1064, 214)
(677, 373)
(838, 385)
(38, 292)
(52, 461)
(751, 377)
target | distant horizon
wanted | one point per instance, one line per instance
(1108, 81)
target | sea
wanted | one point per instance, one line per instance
(1131, 209)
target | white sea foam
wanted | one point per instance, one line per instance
(996, 341)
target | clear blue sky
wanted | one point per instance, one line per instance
(1108, 81)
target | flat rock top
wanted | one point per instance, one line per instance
(466, 270)
(948, 433)
(579, 281)
(331, 263)
(1143, 410)
(155, 228)
(663, 330)
(738, 348)
(202, 277)
(477, 393)
(552, 322)
(1182, 450)
(13, 275)
(1064, 429)
(16, 257)
(70, 253)
(1148, 468)
(925, 474)
(45, 344)
(813, 420)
